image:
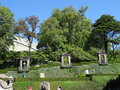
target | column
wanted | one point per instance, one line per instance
(99, 58)
(105, 58)
(69, 60)
(28, 63)
(20, 64)
(62, 58)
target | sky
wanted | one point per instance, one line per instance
(44, 8)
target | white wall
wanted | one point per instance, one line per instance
(21, 44)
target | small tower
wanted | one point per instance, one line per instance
(24, 65)
(102, 58)
(66, 61)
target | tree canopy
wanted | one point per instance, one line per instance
(6, 28)
(27, 27)
(106, 30)
(66, 31)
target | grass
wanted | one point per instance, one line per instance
(66, 85)
(97, 83)
(102, 80)
(69, 85)
(24, 85)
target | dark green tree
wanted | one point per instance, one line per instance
(105, 32)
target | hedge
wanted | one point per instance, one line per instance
(7, 69)
(52, 79)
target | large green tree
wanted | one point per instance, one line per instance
(65, 31)
(68, 26)
(6, 28)
(106, 30)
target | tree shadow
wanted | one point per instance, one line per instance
(113, 84)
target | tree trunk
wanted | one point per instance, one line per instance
(106, 46)
(30, 45)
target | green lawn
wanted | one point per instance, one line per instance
(24, 85)
(66, 85)
(98, 83)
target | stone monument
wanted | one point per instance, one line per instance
(45, 85)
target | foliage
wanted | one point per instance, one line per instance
(7, 69)
(106, 30)
(27, 26)
(6, 32)
(66, 31)
(38, 57)
(114, 56)
(11, 58)
(65, 26)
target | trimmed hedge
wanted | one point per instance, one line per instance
(7, 69)
(52, 79)
(58, 64)
(105, 74)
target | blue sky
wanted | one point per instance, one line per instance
(44, 8)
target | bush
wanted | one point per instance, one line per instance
(84, 62)
(3, 71)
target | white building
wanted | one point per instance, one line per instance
(21, 44)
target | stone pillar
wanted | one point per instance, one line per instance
(20, 64)
(99, 58)
(28, 63)
(69, 60)
(62, 58)
(105, 56)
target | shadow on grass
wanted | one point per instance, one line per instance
(113, 84)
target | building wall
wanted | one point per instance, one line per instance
(21, 44)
